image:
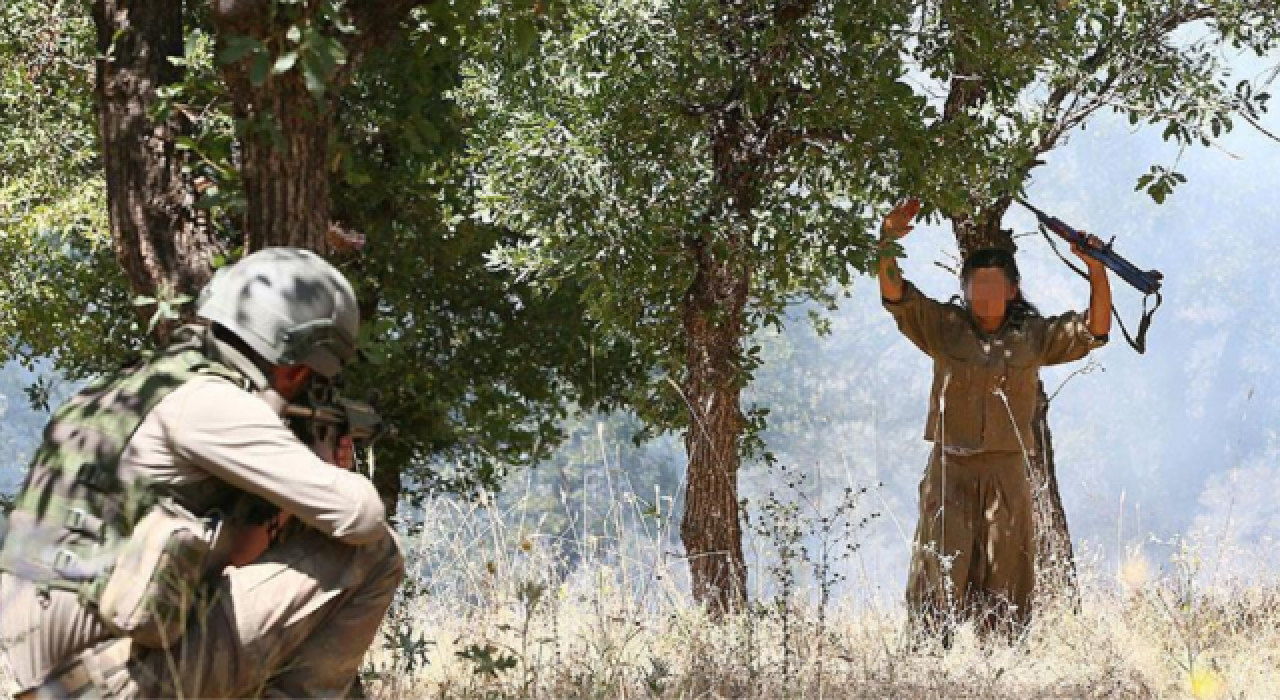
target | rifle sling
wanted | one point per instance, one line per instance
(1140, 343)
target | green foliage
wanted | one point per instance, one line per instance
(606, 146)
(474, 372)
(202, 102)
(488, 659)
(66, 298)
(311, 44)
(1028, 74)
(602, 148)
(476, 369)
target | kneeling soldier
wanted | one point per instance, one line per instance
(113, 572)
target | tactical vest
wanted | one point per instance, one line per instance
(76, 510)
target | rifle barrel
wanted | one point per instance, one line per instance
(1147, 282)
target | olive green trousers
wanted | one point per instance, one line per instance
(973, 555)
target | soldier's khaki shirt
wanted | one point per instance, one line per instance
(207, 428)
(985, 385)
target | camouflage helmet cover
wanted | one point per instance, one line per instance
(289, 305)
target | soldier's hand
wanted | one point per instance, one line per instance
(898, 223)
(1094, 242)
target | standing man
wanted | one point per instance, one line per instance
(973, 555)
(113, 576)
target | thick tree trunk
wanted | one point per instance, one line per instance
(285, 154)
(161, 240)
(711, 528)
(284, 142)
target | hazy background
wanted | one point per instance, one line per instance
(1180, 441)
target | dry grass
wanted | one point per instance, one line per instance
(497, 611)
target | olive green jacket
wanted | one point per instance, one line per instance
(985, 385)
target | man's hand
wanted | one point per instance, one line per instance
(898, 223)
(252, 541)
(1093, 263)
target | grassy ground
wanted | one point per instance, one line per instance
(496, 611)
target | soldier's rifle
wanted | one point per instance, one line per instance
(357, 419)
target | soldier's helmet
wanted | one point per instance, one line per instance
(289, 305)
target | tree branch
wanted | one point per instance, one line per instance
(1254, 123)
(378, 20)
(791, 12)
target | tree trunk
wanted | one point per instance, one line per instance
(284, 141)
(285, 153)
(161, 240)
(1055, 556)
(711, 528)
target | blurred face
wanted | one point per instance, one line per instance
(989, 292)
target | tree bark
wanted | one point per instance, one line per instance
(163, 243)
(711, 529)
(1055, 556)
(285, 139)
(285, 154)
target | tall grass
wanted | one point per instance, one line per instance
(496, 609)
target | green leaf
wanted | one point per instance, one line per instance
(284, 62)
(259, 69)
(237, 47)
(312, 75)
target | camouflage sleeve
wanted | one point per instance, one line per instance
(918, 317)
(1066, 338)
(238, 438)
